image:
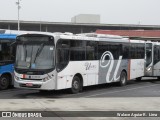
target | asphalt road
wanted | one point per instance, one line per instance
(145, 88)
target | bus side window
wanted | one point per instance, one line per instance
(159, 53)
(77, 50)
(156, 54)
(133, 51)
(62, 54)
(0, 52)
(125, 51)
(5, 51)
(102, 47)
(91, 50)
(13, 53)
(114, 48)
(137, 51)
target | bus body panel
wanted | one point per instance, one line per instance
(6, 69)
(92, 71)
(87, 69)
(111, 71)
(156, 69)
(136, 68)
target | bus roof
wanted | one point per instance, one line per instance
(94, 37)
(87, 36)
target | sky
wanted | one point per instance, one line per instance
(144, 12)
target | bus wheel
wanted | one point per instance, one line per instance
(4, 82)
(76, 85)
(138, 79)
(123, 79)
(158, 78)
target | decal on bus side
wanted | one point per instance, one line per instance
(110, 64)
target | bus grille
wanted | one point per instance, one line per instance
(30, 79)
(33, 86)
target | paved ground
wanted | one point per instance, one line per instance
(145, 88)
(136, 96)
(83, 104)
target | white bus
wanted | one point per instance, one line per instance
(152, 59)
(53, 61)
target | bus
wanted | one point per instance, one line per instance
(54, 61)
(7, 55)
(152, 59)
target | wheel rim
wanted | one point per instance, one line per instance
(123, 80)
(76, 85)
(4, 82)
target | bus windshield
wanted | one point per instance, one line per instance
(35, 56)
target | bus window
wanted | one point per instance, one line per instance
(6, 52)
(125, 50)
(137, 51)
(114, 48)
(77, 50)
(62, 54)
(91, 50)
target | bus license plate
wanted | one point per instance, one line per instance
(29, 84)
(35, 77)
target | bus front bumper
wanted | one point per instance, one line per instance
(34, 84)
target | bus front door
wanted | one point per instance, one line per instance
(149, 59)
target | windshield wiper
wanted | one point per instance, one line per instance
(38, 52)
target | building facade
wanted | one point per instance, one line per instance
(70, 27)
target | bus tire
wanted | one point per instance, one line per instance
(123, 78)
(76, 85)
(138, 79)
(4, 82)
(158, 78)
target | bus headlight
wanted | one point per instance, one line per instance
(46, 79)
(17, 78)
(149, 69)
